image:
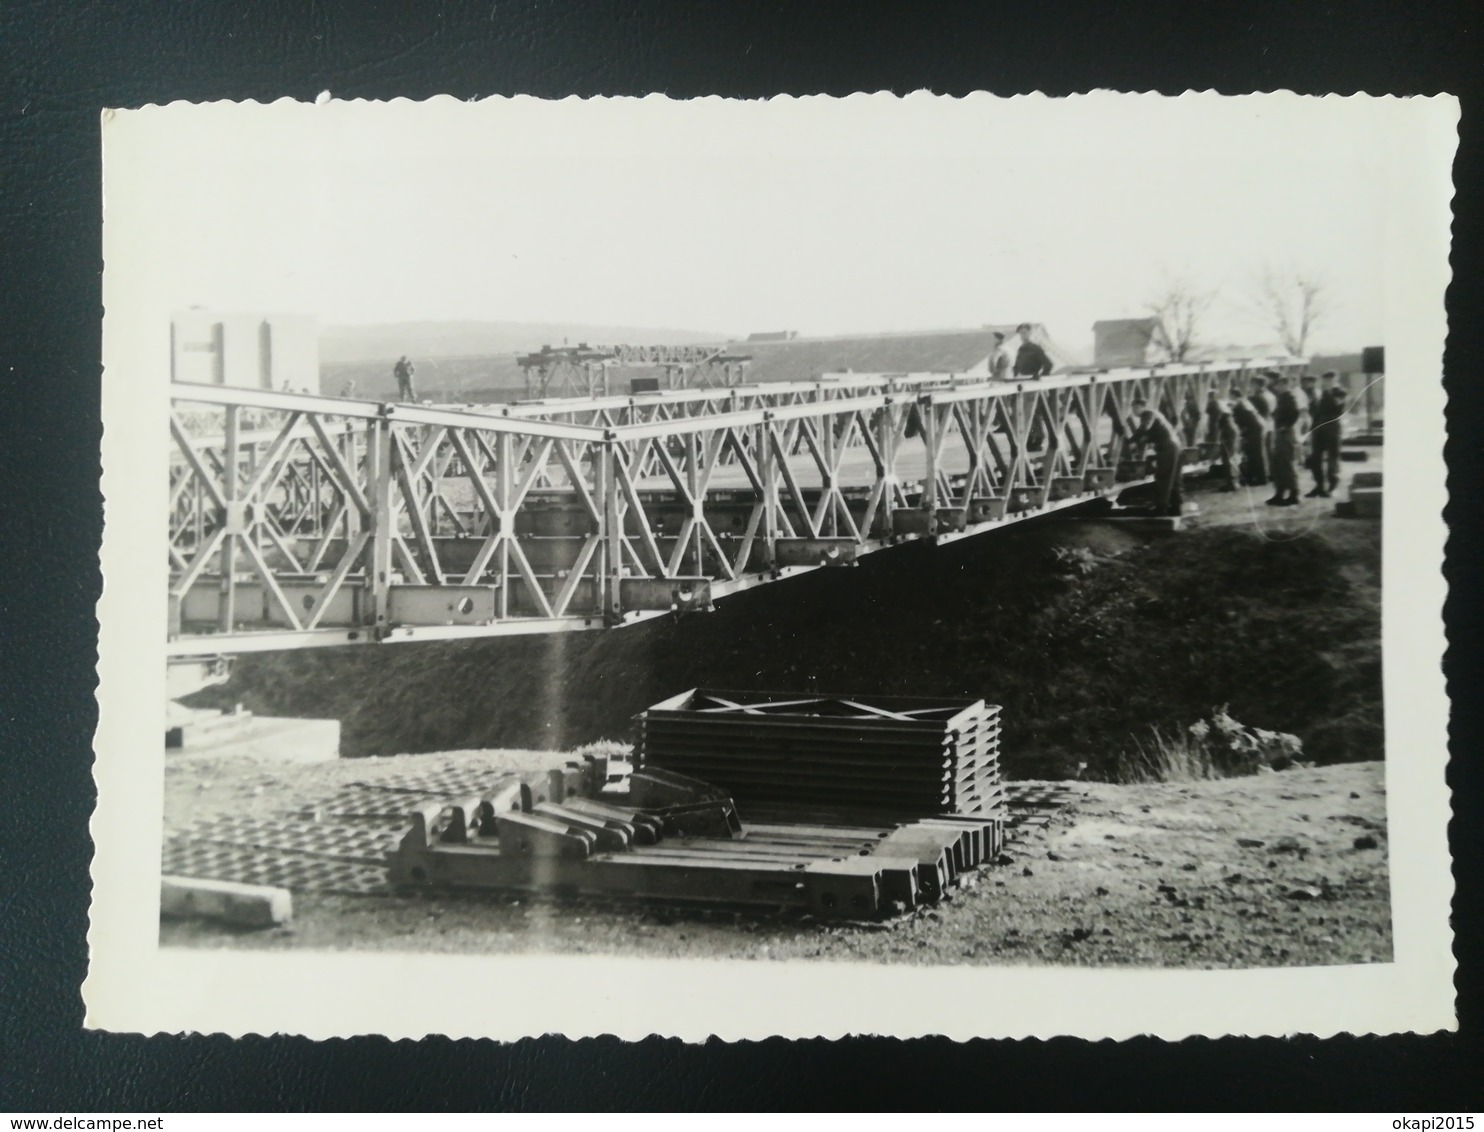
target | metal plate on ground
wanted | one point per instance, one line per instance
(353, 842)
(298, 872)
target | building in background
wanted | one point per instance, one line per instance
(255, 351)
(1119, 342)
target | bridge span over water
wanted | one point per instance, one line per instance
(300, 521)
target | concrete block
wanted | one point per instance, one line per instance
(185, 727)
(1365, 480)
(240, 905)
(268, 739)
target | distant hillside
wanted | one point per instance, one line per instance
(424, 340)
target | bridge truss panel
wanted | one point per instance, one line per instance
(298, 521)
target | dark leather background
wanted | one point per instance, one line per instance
(61, 62)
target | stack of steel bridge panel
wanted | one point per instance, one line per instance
(891, 757)
(585, 831)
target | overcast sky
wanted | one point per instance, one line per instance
(821, 216)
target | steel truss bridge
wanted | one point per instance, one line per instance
(300, 521)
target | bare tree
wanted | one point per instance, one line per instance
(1177, 313)
(1292, 304)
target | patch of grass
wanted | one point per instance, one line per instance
(1215, 747)
(1177, 757)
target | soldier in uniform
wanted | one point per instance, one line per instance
(1262, 402)
(1155, 430)
(1250, 428)
(1030, 360)
(1221, 430)
(403, 372)
(1309, 402)
(999, 362)
(1328, 417)
(1286, 414)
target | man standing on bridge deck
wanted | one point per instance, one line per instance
(1286, 414)
(1156, 430)
(1328, 426)
(403, 372)
(1030, 360)
(999, 361)
(1249, 426)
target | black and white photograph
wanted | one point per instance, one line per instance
(903, 565)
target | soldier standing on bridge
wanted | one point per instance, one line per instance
(1286, 414)
(1328, 417)
(999, 361)
(1249, 426)
(1030, 360)
(1156, 430)
(403, 372)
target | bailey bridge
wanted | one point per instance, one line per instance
(300, 521)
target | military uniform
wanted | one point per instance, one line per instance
(1221, 430)
(1254, 451)
(1327, 434)
(1032, 361)
(1262, 403)
(1155, 429)
(403, 372)
(1286, 415)
(1310, 404)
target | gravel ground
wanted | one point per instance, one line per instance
(1280, 869)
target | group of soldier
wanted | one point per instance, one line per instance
(1264, 436)
(1260, 437)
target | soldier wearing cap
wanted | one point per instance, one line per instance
(1030, 360)
(1156, 430)
(1329, 414)
(1286, 414)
